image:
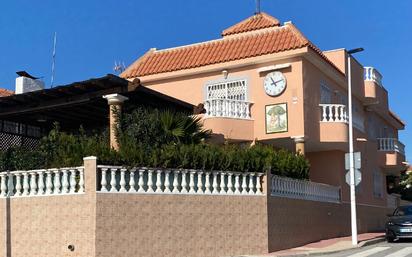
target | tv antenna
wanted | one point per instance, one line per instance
(257, 11)
(119, 67)
(54, 59)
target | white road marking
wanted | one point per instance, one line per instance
(370, 251)
(401, 253)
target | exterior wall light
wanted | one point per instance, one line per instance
(225, 73)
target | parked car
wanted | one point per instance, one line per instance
(399, 224)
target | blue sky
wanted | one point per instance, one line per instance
(92, 34)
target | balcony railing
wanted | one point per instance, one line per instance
(391, 144)
(333, 113)
(172, 181)
(305, 190)
(371, 74)
(228, 108)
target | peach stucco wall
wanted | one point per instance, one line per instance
(192, 89)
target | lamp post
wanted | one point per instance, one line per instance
(351, 157)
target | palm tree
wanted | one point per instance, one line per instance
(180, 128)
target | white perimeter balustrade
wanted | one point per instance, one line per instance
(227, 108)
(172, 181)
(42, 182)
(391, 144)
(333, 113)
(305, 190)
(371, 74)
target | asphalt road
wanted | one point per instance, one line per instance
(397, 249)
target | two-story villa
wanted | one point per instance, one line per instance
(264, 81)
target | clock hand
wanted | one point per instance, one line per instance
(273, 82)
(278, 81)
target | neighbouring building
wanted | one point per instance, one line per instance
(264, 81)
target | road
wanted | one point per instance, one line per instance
(397, 249)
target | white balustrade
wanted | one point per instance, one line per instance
(333, 113)
(305, 190)
(227, 108)
(371, 74)
(173, 181)
(390, 144)
(44, 182)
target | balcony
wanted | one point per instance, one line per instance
(227, 108)
(374, 90)
(372, 74)
(391, 153)
(231, 119)
(333, 123)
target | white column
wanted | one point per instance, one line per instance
(159, 181)
(18, 184)
(207, 183)
(167, 181)
(192, 182)
(251, 185)
(199, 182)
(244, 185)
(3, 184)
(81, 181)
(141, 181)
(103, 181)
(72, 181)
(184, 182)
(175, 181)
(150, 181)
(132, 182)
(258, 184)
(222, 183)
(49, 185)
(214, 184)
(122, 181)
(33, 183)
(26, 183)
(65, 182)
(57, 184)
(41, 183)
(237, 184)
(229, 183)
(113, 182)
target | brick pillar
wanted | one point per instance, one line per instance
(299, 144)
(115, 102)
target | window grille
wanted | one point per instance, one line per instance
(377, 184)
(232, 90)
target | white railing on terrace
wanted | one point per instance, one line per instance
(227, 108)
(392, 201)
(391, 144)
(305, 190)
(172, 181)
(333, 113)
(371, 74)
(42, 182)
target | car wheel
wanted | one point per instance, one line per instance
(390, 237)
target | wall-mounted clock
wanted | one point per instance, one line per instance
(274, 83)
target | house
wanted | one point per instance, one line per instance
(264, 81)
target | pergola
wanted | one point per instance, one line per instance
(86, 103)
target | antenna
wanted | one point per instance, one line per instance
(119, 67)
(257, 6)
(54, 59)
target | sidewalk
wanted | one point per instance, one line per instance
(328, 246)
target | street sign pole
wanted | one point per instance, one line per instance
(351, 161)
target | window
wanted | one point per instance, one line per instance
(325, 94)
(377, 184)
(230, 90)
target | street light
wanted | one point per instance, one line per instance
(351, 157)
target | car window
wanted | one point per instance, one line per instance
(402, 211)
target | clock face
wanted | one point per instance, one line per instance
(275, 83)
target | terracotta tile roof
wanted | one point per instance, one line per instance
(5, 92)
(258, 21)
(226, 49)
